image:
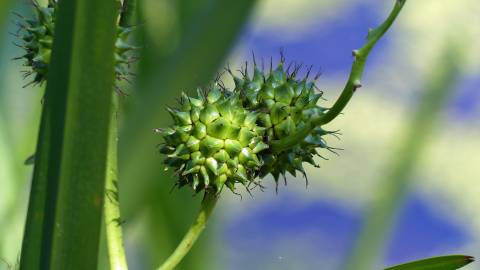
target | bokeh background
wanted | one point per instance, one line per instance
(434, 210)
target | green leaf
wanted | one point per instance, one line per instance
(64, 216)
(451, 262)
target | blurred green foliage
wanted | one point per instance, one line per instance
(394, 186)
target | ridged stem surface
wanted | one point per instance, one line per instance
(66, 202)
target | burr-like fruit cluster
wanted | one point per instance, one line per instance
(223, 137)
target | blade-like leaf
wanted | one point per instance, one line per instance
(33, 235)
(451, 262)
(66, 218)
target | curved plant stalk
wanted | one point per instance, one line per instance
(394, 187)
(113, 222)
(353, 83)
(208, 203)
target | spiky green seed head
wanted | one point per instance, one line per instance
(285, 105)
(37, 33)
(214, 142)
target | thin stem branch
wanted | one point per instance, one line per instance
(113, 222)
(353, 83)
(193, 233)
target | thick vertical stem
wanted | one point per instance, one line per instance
(77, 106)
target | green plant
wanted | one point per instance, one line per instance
(268, 124)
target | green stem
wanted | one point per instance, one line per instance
(116, 252)
(353, 83)
(193, 233)
(113, 226)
